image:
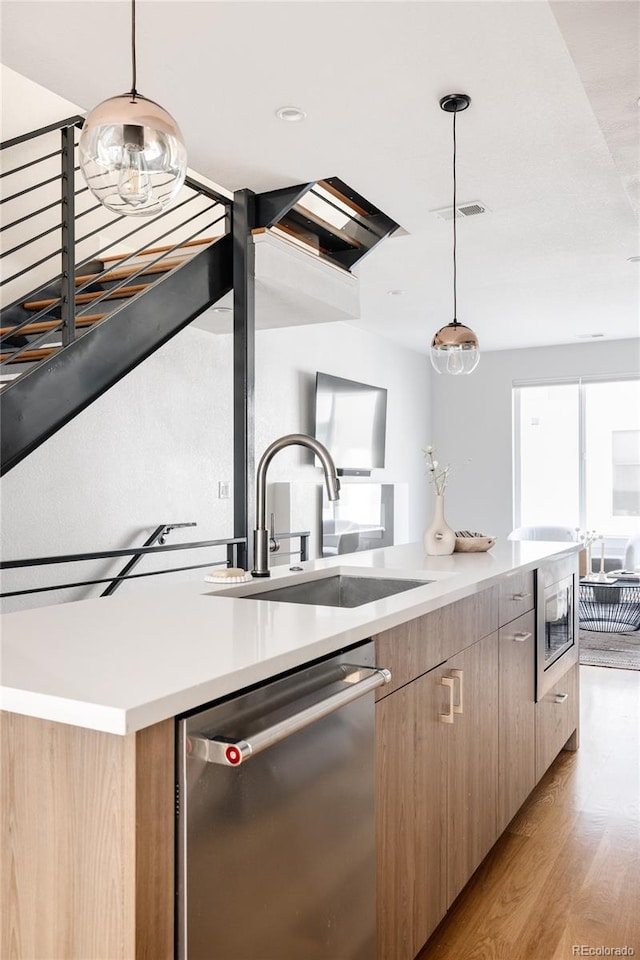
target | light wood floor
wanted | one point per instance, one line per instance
(566, 874)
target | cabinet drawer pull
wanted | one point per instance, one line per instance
(448, 682)
(561, 697)
(520, 596)
(458, 707)
(521, 635)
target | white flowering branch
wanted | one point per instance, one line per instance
(438, 476)
(587, 537)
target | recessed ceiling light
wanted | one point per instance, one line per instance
(291, 114)
(395, 293)
(589, 336)
(222, 309)
(633, 259)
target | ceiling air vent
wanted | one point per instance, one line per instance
(462, 210)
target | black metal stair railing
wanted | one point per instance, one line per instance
(154, 544)
(57, 354)
(135, 553)
(62, 288)
(159, 535)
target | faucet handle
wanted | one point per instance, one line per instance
(274, 546)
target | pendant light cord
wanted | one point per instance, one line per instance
(134, 92)
(455, 304)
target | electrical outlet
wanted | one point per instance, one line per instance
(224, 489)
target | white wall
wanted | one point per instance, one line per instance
(26, 105)
(472, 419)
(154, 447)
(286, 365)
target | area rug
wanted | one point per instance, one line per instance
(621, 650)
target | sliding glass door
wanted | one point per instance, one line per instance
(577, 456)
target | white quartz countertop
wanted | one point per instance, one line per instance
(119, 664)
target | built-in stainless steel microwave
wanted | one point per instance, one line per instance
(557, 626)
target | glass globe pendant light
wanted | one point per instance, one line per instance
(132, 153)
(455, 349)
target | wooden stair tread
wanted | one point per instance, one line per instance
(42, 325)
(279, 229)
(324, 225)
(27, 355)
(120, 294)
(347, 201)
(169, 246)
(122, 272)
(40, 353)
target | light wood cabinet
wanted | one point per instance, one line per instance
(421, 644)
(472, 762)
(557, 720)
(447, 790)
(436, 795)
(516, 596)
(87, 842)
(517, 717)
(411, 815)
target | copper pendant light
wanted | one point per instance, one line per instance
(132, 153)
(455, 349)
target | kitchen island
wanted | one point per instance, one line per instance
(90, 691)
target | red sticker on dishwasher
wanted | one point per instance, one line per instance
(233, 755)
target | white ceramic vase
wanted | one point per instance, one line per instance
(439, 538)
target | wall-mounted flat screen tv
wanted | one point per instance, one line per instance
(351, 421)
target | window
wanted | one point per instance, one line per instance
(626, 473)
(577, 456)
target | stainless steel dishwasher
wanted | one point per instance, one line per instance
(276, 839)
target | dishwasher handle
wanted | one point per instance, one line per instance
(231, 753)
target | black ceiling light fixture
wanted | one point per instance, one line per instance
(455, 349)
(132, 153)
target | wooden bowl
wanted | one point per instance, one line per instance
(476, 544)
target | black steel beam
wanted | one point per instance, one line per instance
(272, 206)
(243, 373)
(68, 308)
(200, 187)
(375, 217)
(367, 228)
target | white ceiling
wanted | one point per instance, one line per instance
(550, 143)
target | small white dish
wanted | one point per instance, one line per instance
(212, 578)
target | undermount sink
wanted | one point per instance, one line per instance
(339, 590)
